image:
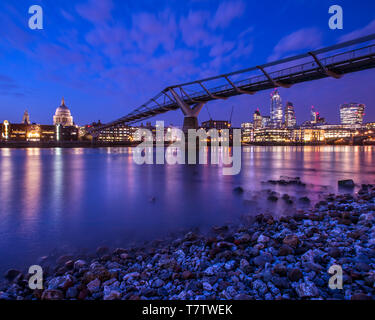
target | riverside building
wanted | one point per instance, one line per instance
(63, 128)
(63, 116)
(257, 120)
(276, 110)
(290, 117)
(247, 129)
(352, 114)
(215, 124)
(27, 132)
(272, 135)
(120, 133)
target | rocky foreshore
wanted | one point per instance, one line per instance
(263, 258)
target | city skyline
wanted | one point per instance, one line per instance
(94, 71)
(286, 113)
(284, 107)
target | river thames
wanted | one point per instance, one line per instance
(75, 199)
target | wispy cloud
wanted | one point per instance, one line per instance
(151, 30)
(135, 56)
(226, 13)
(369, 29)
(194, 29)
(8, 86)
(67, 15)
(308, 38)
(96, 11)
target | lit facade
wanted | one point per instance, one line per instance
(290, 117)
(312, 135)
(120, 133)
(63, 116)
(332, 132)
(67, 133)
(257, 120)
(215, 124)
(247, 130)
(29, 132)
(352, 113)
(4, 130)
(314, 115)
(266, 121)
(276, 110)
(272, 135)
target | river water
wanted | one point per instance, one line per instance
(82, 198)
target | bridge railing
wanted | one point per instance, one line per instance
(305, 67)
(163, 102)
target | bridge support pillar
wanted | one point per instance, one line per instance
(190, 123)
(190, 113)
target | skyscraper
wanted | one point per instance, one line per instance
(257, 119)
(314, 115)
(316, 119)
(276, 110)
(266, 121)
(352, 113)
(290, 117)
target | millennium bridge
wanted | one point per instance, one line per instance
(333, 61)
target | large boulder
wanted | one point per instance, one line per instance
(11, 274)
(349, 183)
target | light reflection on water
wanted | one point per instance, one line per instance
(81, 198)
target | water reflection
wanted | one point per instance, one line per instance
(30, 192)
(52, 198)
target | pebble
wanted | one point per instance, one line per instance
(72, 292)
(79, 264)
(264, 259)
(295, 274)
(51, 294)
(291, 241)
(207, 286)
(113, 295)
(94, 285)
(307, 290)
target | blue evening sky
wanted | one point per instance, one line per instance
(107, 57)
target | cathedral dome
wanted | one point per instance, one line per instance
(62, 115)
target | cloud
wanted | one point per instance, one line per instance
(308, 38)
(194, 30)
(8, 86)
(67, 15)
(150, 30)
(13, 33)
(369, 29)
(226, 13)
(96, 11)
(5, 79)
(132, 58)
(221, 48)
(109, 41)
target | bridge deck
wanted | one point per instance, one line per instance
(296, 72)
